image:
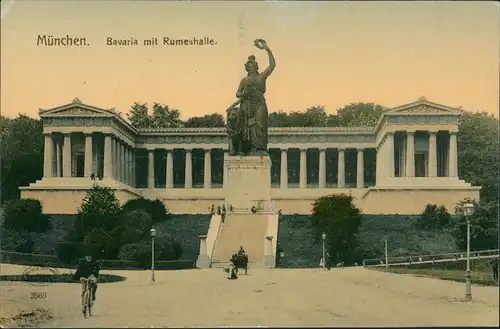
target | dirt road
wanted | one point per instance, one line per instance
(341, 297)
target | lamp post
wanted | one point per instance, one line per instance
(386, 253)
(468, 210)
(323, 237)
(153, 234)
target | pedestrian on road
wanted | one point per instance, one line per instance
(494, 265)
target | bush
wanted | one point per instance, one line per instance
(165, 249)
(433, 218)
(17, 241)
(136, 225)
(155, 208)
(68, 252)
(339, 219)
(96, 243)
(25, 215)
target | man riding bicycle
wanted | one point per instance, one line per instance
(88, 269)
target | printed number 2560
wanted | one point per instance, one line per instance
(38, 295)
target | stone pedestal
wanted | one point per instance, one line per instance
(269, 260)
(203, 261)
(248, 183)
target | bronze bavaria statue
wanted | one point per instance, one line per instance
(247, 117)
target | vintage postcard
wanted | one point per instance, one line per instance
(249, 163)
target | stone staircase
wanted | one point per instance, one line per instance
(247, 230)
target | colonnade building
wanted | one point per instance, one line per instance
(407, 160)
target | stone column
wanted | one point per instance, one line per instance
(322, 168)
(284, 169)
(67, 155)
(203, 260)
(207, 173)
(122, 163)
(410, 154)
(360, 175)
(452, 155)
(133, 168)
(303, 168)
(48, 152)
(127, 165)
(224, 171)
(432, 171)
(390, 164)
(151, 168)
(341, 169)
(170, 169)
(117, 160)
(188, 176)
(108, 157)
(58, 157)
(88, 155)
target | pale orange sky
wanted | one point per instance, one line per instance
(327, 53)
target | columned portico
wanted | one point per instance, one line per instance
(412, 148)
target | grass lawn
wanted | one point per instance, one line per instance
(482, 277)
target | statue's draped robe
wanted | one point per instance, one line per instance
(255, 108)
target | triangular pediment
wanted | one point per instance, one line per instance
(75, 109)
(423, 106)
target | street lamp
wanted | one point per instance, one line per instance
(153, 234)
(323, 237)
(468, 210)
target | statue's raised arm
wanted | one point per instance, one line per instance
(261, 44)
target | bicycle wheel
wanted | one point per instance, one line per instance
(89, 301)
(84, 304)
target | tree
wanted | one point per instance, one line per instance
(339, 219)
(359, 115)
(155, 208)
(433, 218)
(136, 225)
(100, 209)
(213, 120)
(138, 116)
(21, 147)
(25, 215)
(165, 117)
(478, 152)
(166, 248)
(98, 244)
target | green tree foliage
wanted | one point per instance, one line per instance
(165, 249)
(25, 215)
(97, 243)
(434, 217)
(17, 241)
(100, 209)
(165, 117)
(359, 115)
(155, 208)
(21, 147)
(478, 152)
(139, 116)
(339, 219)
(214, 120)
(314, 116)
(483, 226)
(136, 225)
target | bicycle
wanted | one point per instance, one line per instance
(87, 297)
